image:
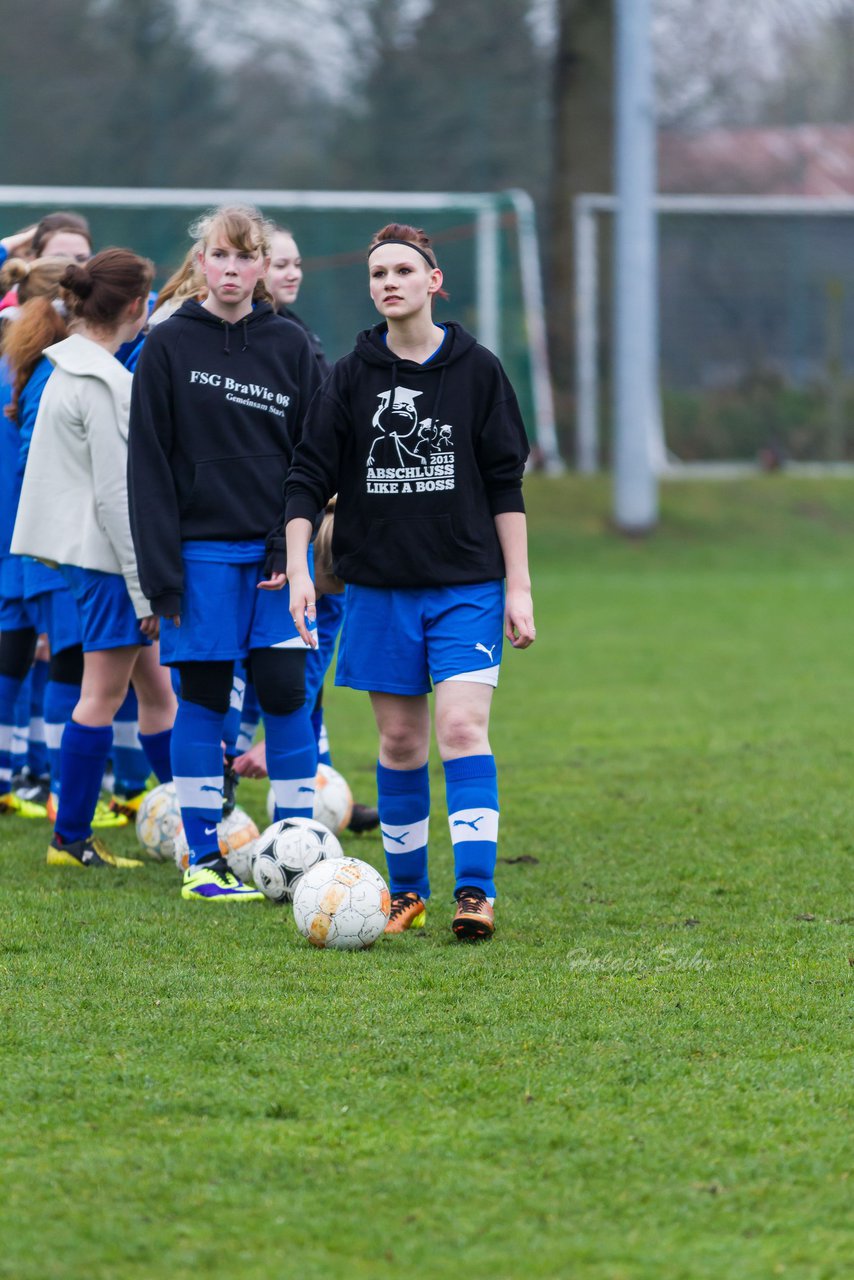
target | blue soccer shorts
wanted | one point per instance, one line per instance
(106, 615)
(16, 613)
(224, 615)
(58, 617)
(398, 639)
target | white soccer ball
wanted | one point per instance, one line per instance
(286, 850)
(342, 904)
(333, 799)
(158, 822)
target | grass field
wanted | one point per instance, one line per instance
(646, 1074)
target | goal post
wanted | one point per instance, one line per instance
(755, 340)
(487, 240)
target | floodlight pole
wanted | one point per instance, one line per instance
(635, 327)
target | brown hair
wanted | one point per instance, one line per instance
(98, 291)
(243, 226)
(418, 238)
(62, 221)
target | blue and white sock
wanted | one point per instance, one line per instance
(59, 702)
(21, 729)
(249, 720)
(231, 724)
(291, 763)
(319, 725)
(471, 787)
(84, 754)
(9, 691)
(197, 774)
(130, 763)
(37, 760)
(404, 806)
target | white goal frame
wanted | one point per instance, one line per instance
(586, 209)
(484, 206)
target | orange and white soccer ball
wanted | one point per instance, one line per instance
(342, 904)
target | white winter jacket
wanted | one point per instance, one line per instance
(74, 503)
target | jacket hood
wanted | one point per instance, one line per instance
(84, 358)
(260, 314)
(371, 347)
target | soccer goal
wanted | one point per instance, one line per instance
(755, 333)
(486, 243)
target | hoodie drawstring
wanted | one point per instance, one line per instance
(226, 348)
(245, 336)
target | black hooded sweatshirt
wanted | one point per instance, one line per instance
(216, 411)
(422, 457)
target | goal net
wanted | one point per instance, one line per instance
(486, 244)
(755, 335)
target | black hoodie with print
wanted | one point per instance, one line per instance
(422, 457)
(216, 412)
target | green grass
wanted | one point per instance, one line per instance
(646, 1074)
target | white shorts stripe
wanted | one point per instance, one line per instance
(296, 642)
(486, 675)
(199, 793)
(404, 839)
(293, 793)
(473, 824)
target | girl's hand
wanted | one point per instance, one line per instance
(150, 626)
(20, 241)
(275, 582)
(303, 605)
(253, 763)
(519, 619)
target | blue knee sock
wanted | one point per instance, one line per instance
(59, 702)
(197, 774)
(158, 754)
(37, 761)
(9, 691)
(291, 763)
(404, 805)
(130, 763)
(471, 786)
(84, 755)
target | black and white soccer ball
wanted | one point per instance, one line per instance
(286, 850)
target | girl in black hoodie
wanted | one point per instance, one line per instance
(419, 432)
(218, 403)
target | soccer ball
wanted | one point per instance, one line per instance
(286, 850)
(235, 834)
(342, 903)
(333, 799)
(158, 822)
(181, 851)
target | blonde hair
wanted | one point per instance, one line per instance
(186, 282)
(35, 279)
(244, 227)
